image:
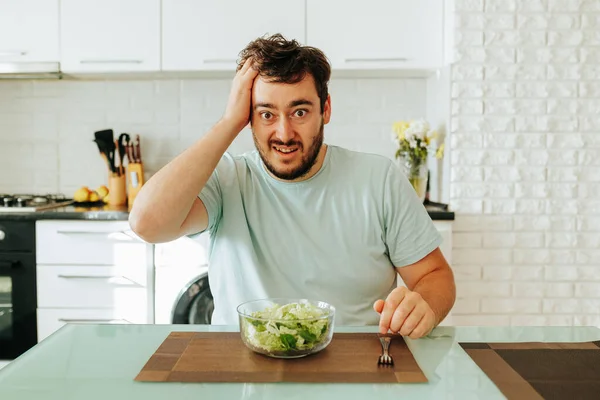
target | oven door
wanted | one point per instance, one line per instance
(18, 329)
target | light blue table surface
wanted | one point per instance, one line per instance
(101, 361)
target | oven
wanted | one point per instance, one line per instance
(18, 297)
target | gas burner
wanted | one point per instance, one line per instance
(7, 201)
(31, 202)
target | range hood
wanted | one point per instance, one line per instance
(30, 70)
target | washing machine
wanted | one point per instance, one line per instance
(181, 291)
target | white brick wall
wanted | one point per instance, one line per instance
(46, 127)
(525, 140)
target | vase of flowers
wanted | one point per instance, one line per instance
(414, 140)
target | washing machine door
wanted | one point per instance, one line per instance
(194, 304)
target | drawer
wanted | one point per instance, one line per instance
(17, 236)
(92, 287)
(89, 242)
(49, 320)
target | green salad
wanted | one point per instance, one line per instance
(307, 327)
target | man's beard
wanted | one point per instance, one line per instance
(308, 160)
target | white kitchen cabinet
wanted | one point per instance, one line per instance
(92, 286)
(87, 242)
(110, 35)
(378, 34)
(92, 272)
(208, 35)
(29, 31)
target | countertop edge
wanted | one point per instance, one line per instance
(122, 214)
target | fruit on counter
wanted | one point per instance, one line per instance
(102, 191)
(85, 194)
(94, 197)
(82, 194)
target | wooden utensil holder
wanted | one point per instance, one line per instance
(117, 190)
(135, 180)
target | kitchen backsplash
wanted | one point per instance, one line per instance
(525, 175)
(46, 127)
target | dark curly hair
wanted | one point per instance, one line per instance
(287, 61)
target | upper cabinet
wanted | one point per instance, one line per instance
(208, 35)
(110, 35)
(97, 36)
(378, 34)
(29, 31)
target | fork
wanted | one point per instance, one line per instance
(385, 358)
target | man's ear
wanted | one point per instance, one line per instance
(327, 110)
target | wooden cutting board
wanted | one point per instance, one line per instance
(223, 357)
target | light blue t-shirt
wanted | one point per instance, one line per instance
(335, 237)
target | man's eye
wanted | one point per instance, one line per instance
(267, 115)
(300, 113)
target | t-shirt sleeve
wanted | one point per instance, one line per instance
(410, 233)
(212, 197)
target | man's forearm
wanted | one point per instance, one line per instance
(164, 202)
(439, 291)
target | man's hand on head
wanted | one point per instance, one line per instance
(405, 312)
(239, 104)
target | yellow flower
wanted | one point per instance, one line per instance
(440, 152)
(399, 129)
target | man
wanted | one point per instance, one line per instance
(298, 218)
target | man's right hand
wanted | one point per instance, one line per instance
(168, 206)
(238, 110)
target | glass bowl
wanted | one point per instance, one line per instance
(286, 328)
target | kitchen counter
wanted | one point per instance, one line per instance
(121, 213)
(74, 212)
(439, 213)
(101, 361)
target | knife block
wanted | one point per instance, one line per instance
(135, 180)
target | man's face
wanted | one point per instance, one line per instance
(287, 126)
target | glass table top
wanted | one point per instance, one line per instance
(101, 362)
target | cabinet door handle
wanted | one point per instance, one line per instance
(219, 61)
(111, 62)
(93, 277)
(12, 53)
(118, 235)
(93, 320)
(7, 265)
(392, 59)
(86, 233)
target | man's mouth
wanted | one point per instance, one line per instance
(285, 149)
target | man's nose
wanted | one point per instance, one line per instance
(284, 131)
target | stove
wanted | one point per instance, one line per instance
(23, 203)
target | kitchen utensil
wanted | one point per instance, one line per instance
(106, 152)
(385, 358)
(138, 153)
(122, 144)
(105, 141)
(130, 155)
(106, 135)
(117, 156)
